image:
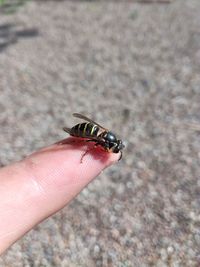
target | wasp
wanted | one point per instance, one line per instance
(94, 132)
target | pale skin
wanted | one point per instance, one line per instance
(44, 182)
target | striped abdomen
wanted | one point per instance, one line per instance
(85, 129)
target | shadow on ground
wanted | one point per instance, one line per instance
(9, 7)
(10, 34)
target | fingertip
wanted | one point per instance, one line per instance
(69, 161)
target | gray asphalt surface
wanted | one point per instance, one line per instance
(136, 69)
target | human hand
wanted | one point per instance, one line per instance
(44, 182)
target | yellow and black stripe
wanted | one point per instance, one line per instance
(86, 129)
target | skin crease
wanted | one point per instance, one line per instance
(44, 182)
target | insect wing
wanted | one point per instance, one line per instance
(68, 130)
(80, 116)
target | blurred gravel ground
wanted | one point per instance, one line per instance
(134, 68)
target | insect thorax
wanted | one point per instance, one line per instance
(109, 137)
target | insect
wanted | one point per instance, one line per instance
(94, 132)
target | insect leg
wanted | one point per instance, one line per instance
(97, 143)
(120, 156)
